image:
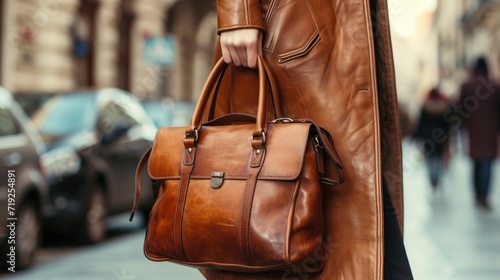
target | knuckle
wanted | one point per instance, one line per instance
(239, 44)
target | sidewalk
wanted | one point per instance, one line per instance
(120, 259)
(447, 237)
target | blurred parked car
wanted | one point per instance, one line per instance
(30, 102)
(169, 113)
(95, 140)
(23, 189)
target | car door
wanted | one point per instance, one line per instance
(124, 142)
(12, 150)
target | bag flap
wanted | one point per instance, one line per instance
(228, 148)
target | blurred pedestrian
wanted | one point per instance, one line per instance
(479, 106)
(432, 133)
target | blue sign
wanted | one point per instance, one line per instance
(159, 51)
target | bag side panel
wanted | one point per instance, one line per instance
(160, 236)
(166, 155)
(289, 215)
(306, 234)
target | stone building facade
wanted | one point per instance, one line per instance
(49, 46)
(61, 45)
(485, 19)
(465, 30)
(435, 43)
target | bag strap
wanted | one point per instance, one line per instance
(258, 136)
(326, 141)
(277, 108)
(138, 175)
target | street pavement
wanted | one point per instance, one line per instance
(118, 259)
(447, 237)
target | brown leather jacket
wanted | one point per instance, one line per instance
(332, 60)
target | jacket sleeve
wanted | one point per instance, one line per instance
(236, 14)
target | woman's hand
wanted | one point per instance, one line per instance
(241, 46)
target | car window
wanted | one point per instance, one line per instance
(133, 109)
(8, 125)
(66, 114)
(112, 115)
(122, 110)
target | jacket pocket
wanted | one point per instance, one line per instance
(291, 31)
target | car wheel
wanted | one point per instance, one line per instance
(94, 223)
(27, 234)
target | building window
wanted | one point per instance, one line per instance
(83, 35)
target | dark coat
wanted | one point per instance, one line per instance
(479, 108)
(433, 129)
(332, 60)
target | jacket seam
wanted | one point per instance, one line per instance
(247, 17)
(377, 143)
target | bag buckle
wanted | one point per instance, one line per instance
(192, 134)
(216, 179)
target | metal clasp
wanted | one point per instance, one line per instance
(216, 179)
(317, 143)
(263, 135)
(283, 120)
(193, 134)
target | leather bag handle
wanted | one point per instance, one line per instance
(276, 101)
(231, 119)
(258, 136)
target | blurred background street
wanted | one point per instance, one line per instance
(84, 85)
(447, 235)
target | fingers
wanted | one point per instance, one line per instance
(251, 54)
(241, 47)
(230, 55)
(254, 51)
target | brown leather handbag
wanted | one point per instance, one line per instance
(239, 196)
